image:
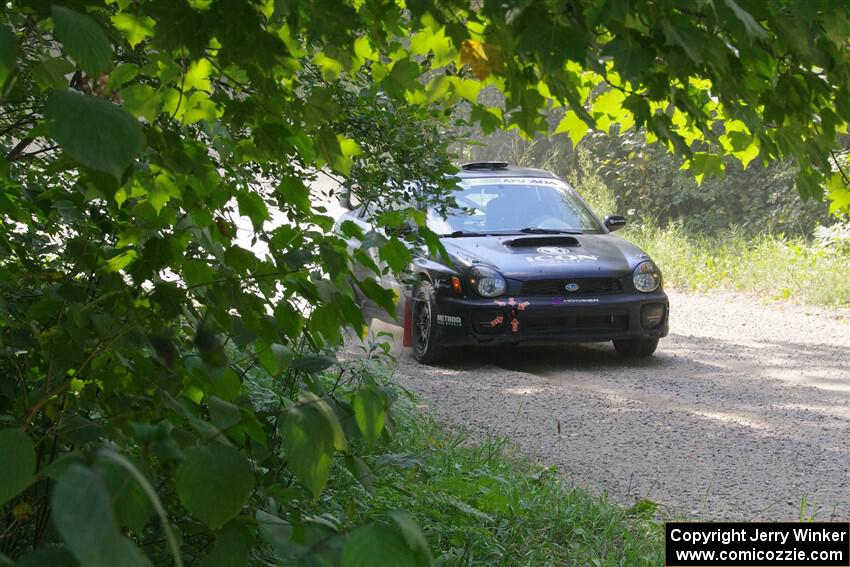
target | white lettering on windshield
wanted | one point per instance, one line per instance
(511, 181)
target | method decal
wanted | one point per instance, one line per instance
(562, 300)
(450, 320)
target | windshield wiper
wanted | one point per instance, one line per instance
(548, 231)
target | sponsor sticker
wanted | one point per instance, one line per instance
(558, 255)
(450, 320)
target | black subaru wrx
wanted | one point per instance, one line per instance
(531, 264)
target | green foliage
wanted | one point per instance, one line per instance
(369, 412)
(83, 39)
(647, 180)
(774, 266)
(18, 451)
(213, 483)
(590, 185)
(395, 549)
(94, 132)
(311, 435)
(97, 540)
(8, 53)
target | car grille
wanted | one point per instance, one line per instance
(586, 286)
(542, 323)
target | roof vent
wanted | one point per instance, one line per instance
(477, 165)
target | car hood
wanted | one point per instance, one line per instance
(547, 256)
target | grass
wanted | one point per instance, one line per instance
(770, 265)
(482, 503)
(478, 502)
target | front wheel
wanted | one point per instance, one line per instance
(641, 347)
(424, 316)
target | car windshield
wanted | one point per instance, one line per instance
(513, 205)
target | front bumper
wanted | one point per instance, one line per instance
(545, 320)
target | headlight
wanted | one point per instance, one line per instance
(487, 281)
(647, 277)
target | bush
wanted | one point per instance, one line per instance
(776, 266)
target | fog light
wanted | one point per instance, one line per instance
(652, 315)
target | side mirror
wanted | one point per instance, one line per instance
(615, 222)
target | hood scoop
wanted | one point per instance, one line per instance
(537, 241)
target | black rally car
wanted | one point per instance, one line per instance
(531, 264)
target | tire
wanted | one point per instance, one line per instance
(425, 348)
(636, 348)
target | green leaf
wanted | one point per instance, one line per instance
(369, 412)
(107, 455)
(706, 164)
(121, 261)
(52, 73)
(395, 254)
(223, 415)
(383, 297)
(325, 320)
(643, 507)
(132, 507)
(19, 458)
(252, 206)
(413, 536)
(82, 513)
(361, 472)
(310, 433)
(274, 531)
(232, 548)
(295, 193)
(750, 24)
(8, 53)
(276, 358)
(377, 546)
(94, 132)
(574, 127)
(313, 363)
(53, 556)
(141, 101)
(213, 483)
(135, 28)
(122, 74)
(630, 59)
(683, 35)
(83, 39)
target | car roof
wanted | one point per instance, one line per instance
(475, 170)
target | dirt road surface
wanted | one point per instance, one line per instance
(743, 412)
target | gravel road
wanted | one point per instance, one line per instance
(742, 413)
